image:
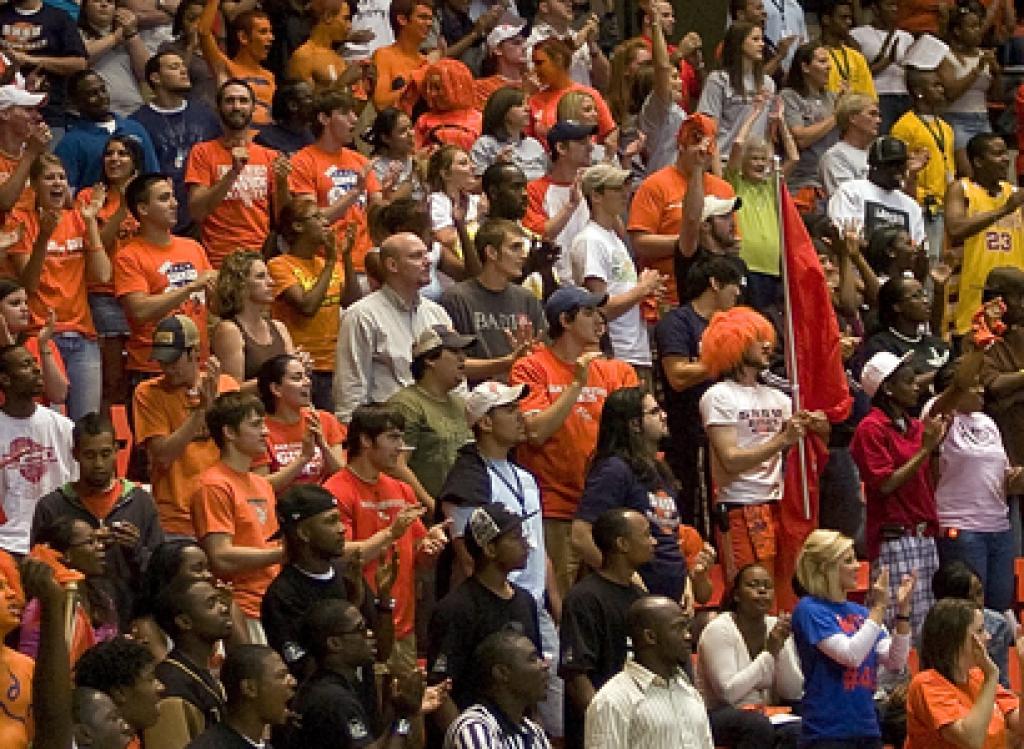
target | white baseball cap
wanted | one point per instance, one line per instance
(491, 394)
(716, 206)
(878, 369)
(12, 95)
(510, 29)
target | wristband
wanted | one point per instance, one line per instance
(401, 727)
(902, 617)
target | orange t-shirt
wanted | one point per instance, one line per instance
(284, 443)
(328, 176)
(459, 127)
(370, 507)
(263, 86)
(543, 107)
(159, 411)
(102, 503)
(657, 208)
(27, 199)
(560, 464)
(62, 280)
(933, 703)
(16, 727)
(242, 220)
(391, 63)
(141, 266)
(316, 334)
(127, 230)
(243, 506)
(484, 87)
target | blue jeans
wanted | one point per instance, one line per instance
(966, 125)
(988, 554)
(85, 373)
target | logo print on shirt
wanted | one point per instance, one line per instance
(31, 458)
(251, 185)
(342, 180)
(259, 506)
(181, 273)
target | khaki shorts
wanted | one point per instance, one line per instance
(558, 542)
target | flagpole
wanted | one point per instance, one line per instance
(791, 363)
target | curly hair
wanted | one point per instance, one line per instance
(729, 334)
(456, 84)
(115, 663)
(232, 289)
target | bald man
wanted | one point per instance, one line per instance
(374, 349)
(651, 702)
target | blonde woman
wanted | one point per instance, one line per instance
(841, 643)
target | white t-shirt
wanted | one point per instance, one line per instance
(35, 459)
(599, 253)
(440, 207)
(556, 196)
(785, 18)
(373, 15)
(863, 201)
(840, 163)
(893, 79)
(758, 412)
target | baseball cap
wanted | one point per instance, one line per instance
(505, 31)
(491, 394)
(565, 130)
(878, 369)
(173, 336)
(299, 503)
(440, 336)
(12, 95)
(492, 520)
(1006, 279)
(887, 150)
(696, 123)
(600, 176)
(568, 298)
(715, 206)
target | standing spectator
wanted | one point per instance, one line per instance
(451, 116)
(651, 702)
(451, 202)
(569, 384)
(464, 36)
(310, 289)
(858, 118)
(553, 20)
(374, 347)
(382, 517)
(316, 61)
(157, 274)
(661, 111)
(116, 52)
(41, 37)
(400, 63)
(505, 119)
(601, 263)
(184, 41)
(170, 420)
(783, 21)
(841, 644)
(506, 49)
(594, 634)
(551, 63)
(175, 122)
(38, 441)
(122, 512)
(850, 72)
(885, 46)
(233, 183)
(81, 148)
(892, 452)
(18, 319)
(393, 147)
(292, 110)
(23, 137)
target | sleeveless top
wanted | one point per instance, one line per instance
(974, 99)
(257, 353)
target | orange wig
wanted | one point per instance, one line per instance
(729, 334)
(457, 87)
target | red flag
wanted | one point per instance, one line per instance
(822, 379)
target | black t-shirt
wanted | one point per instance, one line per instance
(612, 483)
(462, 620)
(220, 736)
(333, 715)
(194, 684)
(47, 32)
(594, 638)
(678, 334)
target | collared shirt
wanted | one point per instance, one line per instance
(483, 726)
(374, 350)
(638, 708)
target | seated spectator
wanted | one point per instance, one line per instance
(292, 110)
(196, 615)
(452, 200)
(81, 148)
(884, 47)
(304, 444)
(170, 419)
(451, 117)
(233, 508)
(551, 60)
(122, 513)
(402, 62)
(17, 318)
(811, 118)
(729, 93)
(317, 62)
(393, 148)
(955, 698)
(124, 670)
(506, 61)
(257, 690)
(651, 698)
(116, 52)
(842, 644)
(511, 677)
(33, 436)
(246, 337)
(585, 64)
(234, 184)
(732, 675)
(857, 118)
(505, 119)
(252, 36)
(850, 72)
(59, 250)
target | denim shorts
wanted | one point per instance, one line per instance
(966, 125)
(107, 316)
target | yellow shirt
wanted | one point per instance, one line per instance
(935, 135)
(848, 64)
(1000, 244)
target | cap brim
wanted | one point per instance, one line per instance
(518, 523)
(165, 354)
(457, 340)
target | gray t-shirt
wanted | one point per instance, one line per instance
(730, 108)
(659, 120)
(840, 163)
(804, 111)
(528, 154)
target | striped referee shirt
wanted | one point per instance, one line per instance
(484, 726)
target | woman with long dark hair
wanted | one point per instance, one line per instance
(15, 322)
(626, 472)
(505, 120)
(391, 142)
